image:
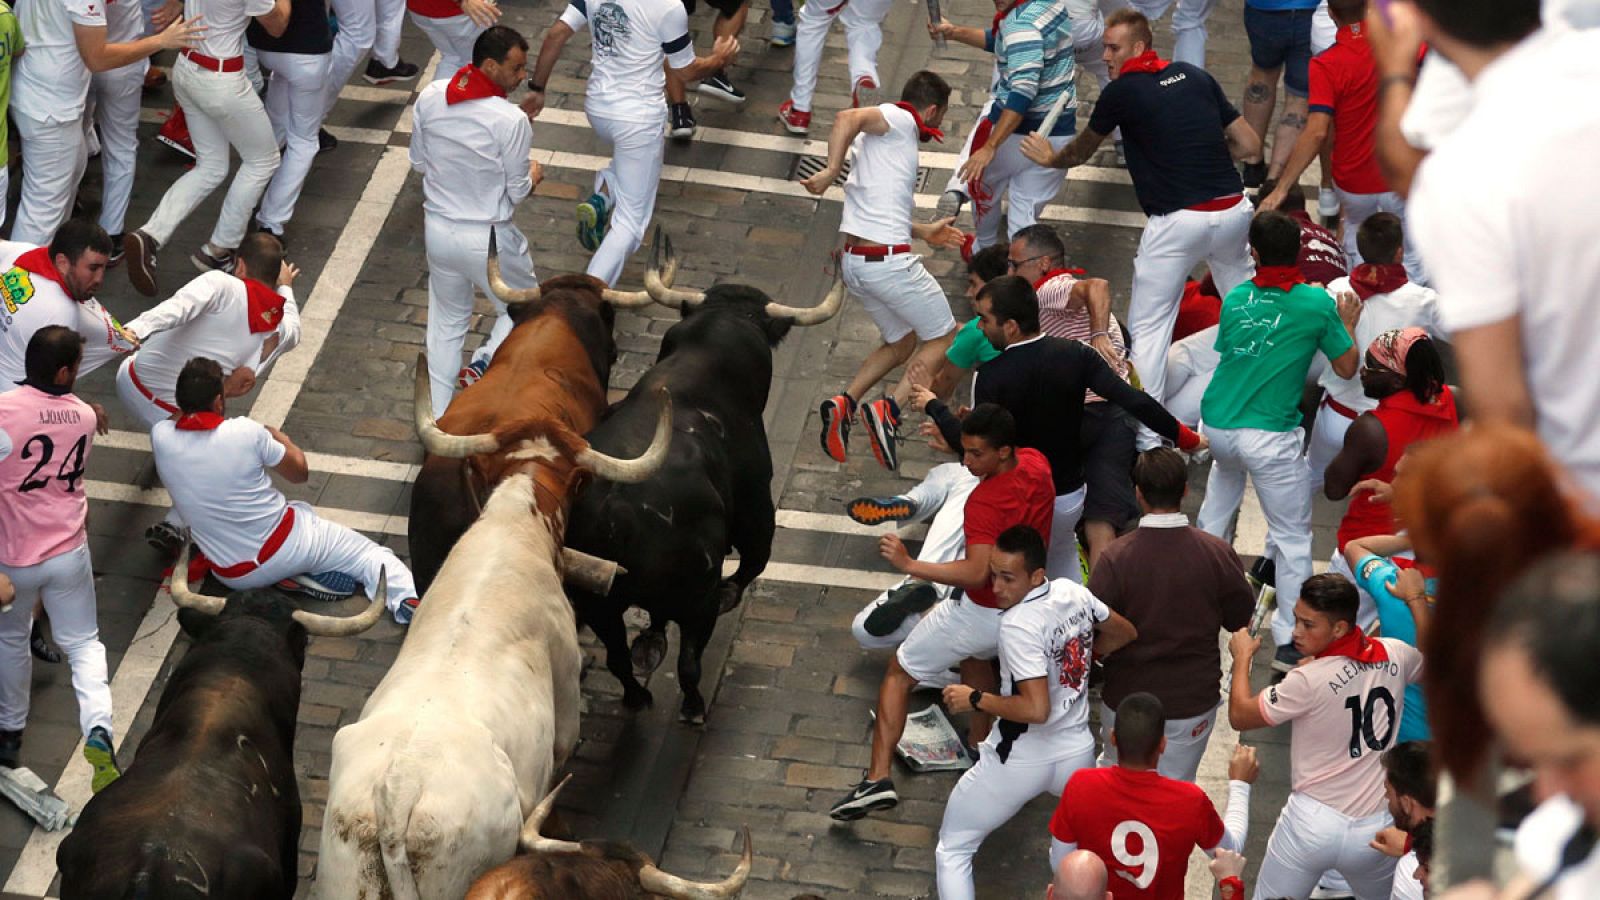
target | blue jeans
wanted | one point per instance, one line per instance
(1282, 38)
(783, 11)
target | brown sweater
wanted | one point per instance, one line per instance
(1180, 587)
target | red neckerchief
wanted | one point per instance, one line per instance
(469, 83)
(265, 306)
(1147, 61)
(1372, 278)
(199, 421)
(1281, 277)
(1075, 273)
(1356, 646)
(924, 133)
(994, 28)
(37, 261)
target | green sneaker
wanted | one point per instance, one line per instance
(97, 750)
(594, 219)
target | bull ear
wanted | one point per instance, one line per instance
(195, 623)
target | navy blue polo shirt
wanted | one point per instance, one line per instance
(1172, 125)
(307, 32)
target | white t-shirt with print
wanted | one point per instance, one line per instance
(629, 39)
(50, 82)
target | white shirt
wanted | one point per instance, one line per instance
(219, 484)
(1049, 635)
(124, 22)
(629, 39)
(881, 190)
(1521, 243)
(1539, 843)
(29, 302)
(1410, 304)
(50, 82)
(225, 21)
(1406, 886)
(473, 156)
(207, 318)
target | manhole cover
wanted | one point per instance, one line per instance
(808, 165)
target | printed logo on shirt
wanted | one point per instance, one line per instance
(610, 28)
(1258, 326)
(16, 286)
(1073, 662)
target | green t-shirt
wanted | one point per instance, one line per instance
(970, 348)
(1267, 338)
(10, 46)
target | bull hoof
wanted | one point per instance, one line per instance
(635, 697)
(648, 650)
(729, 596)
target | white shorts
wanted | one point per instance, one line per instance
(900, 296)
(1186, 743)
(951, 631)
(1311, 838)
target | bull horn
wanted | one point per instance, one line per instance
(658, 281)
(655, 881)
(346, 626)
(178, 587)
(626, 299)
(534, 842)
(628, 471)
(508, 295)
(589, 573)
(816, 315)
(435, 441)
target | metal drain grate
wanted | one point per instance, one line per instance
(808, 165)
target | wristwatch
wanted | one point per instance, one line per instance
(973, 698)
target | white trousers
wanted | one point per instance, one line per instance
(955, 183)
(1273, 462)
(458, 261)
(1168, 251)
(1025, 185)
(953, 630)
(1186, 743)
(453, 37)
(364, 25)
(133, 400)
(1088, 47)
(1327, 439)
(985, 798)
(1062, 561)
(1190, 364)
(65, 583)
(222, 110)
(115, 95)
(863, 35)
(317, 545)
(1311, 838)
(1358, 208)
(630, 179)
(900, 296)
(1188, 26)
(294, 107)
(53, 158)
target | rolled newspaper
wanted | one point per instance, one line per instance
(933, 19)
(1049, 123)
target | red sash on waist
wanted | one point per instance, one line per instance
(133, 376)
(1340, 408)
(268, 549)
(1217, 205)
(231, 64)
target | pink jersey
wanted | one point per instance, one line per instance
(44, 444)
(1346, 714)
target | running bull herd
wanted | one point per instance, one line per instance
(537, 508)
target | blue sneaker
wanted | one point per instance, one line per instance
(782, 34)
(407, 610)
(470, 373)
(328, 586)
(594, 220)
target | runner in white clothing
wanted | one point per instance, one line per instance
(863, 35)
(115, 95)
(624, 101)
(453, 28)
(1048, 633)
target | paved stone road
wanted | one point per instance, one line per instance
(789, 689)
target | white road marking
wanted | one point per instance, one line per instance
(332, 463)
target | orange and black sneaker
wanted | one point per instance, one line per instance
(836, 412)
(882, 421)
(877, 510)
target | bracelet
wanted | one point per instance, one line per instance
(1407, 80)
(1234, 882)
(1099, 334)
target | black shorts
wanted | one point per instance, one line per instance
(728, 8)
(1107, 445)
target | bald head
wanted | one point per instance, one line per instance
(1081, 876)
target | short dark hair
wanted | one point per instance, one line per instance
(1161, 476)
(1141, 723)
(1347, 11)
(1551, 613)
(199, 385)
(496, 43)
(1275, 238)
(262, 252)
(1484, 23)
(926, 88)
(1332, 595)
(992, 422)
(1408, 767)
(1137, 23)
(1380, 237)
(77, 235)
(51, 348)
(1026, 540)
(1012, 299)
(1422, 842)
(989, 263)
(1424, 371)
(1041, 238)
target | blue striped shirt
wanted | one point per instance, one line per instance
(1033, 53)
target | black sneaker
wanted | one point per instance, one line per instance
(166, 537)
(117, 253)
(1286, 658)
(1253, 174)
(682, 127)
(877, 510)
(140, 249)
(40, 647)
(325, 141)
(868, 796)
(908, 599)
(378, 73)
(275, 232)
(1263, 571)
(717, 85)
(10, 748)
(206, 260)
(882, 421)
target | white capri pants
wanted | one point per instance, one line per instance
(317, 545)
(294, 107)
(1188, 26)
(222, 110)
(900, 296)
(458, 261)
(863, 35)
(116, 97)
(985, 798)
(1172, 245)
(631, 179)
(453, 37)
(65, 583)
(54, 155)
(1273, 462)
(1311, 838)
(953, 630)
(1186, 743)
(1190, 364)
(1025, 185)
(1358, 208)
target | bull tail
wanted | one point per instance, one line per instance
(393, 799)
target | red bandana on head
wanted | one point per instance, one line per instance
(198, 421)
(1357, 646)
(1281, 277)
(37, 261)
(1147, 61)
(469, 83)
(265, 306)
(924, 133)
(1370, 278)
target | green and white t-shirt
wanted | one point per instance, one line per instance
(1267, 338)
